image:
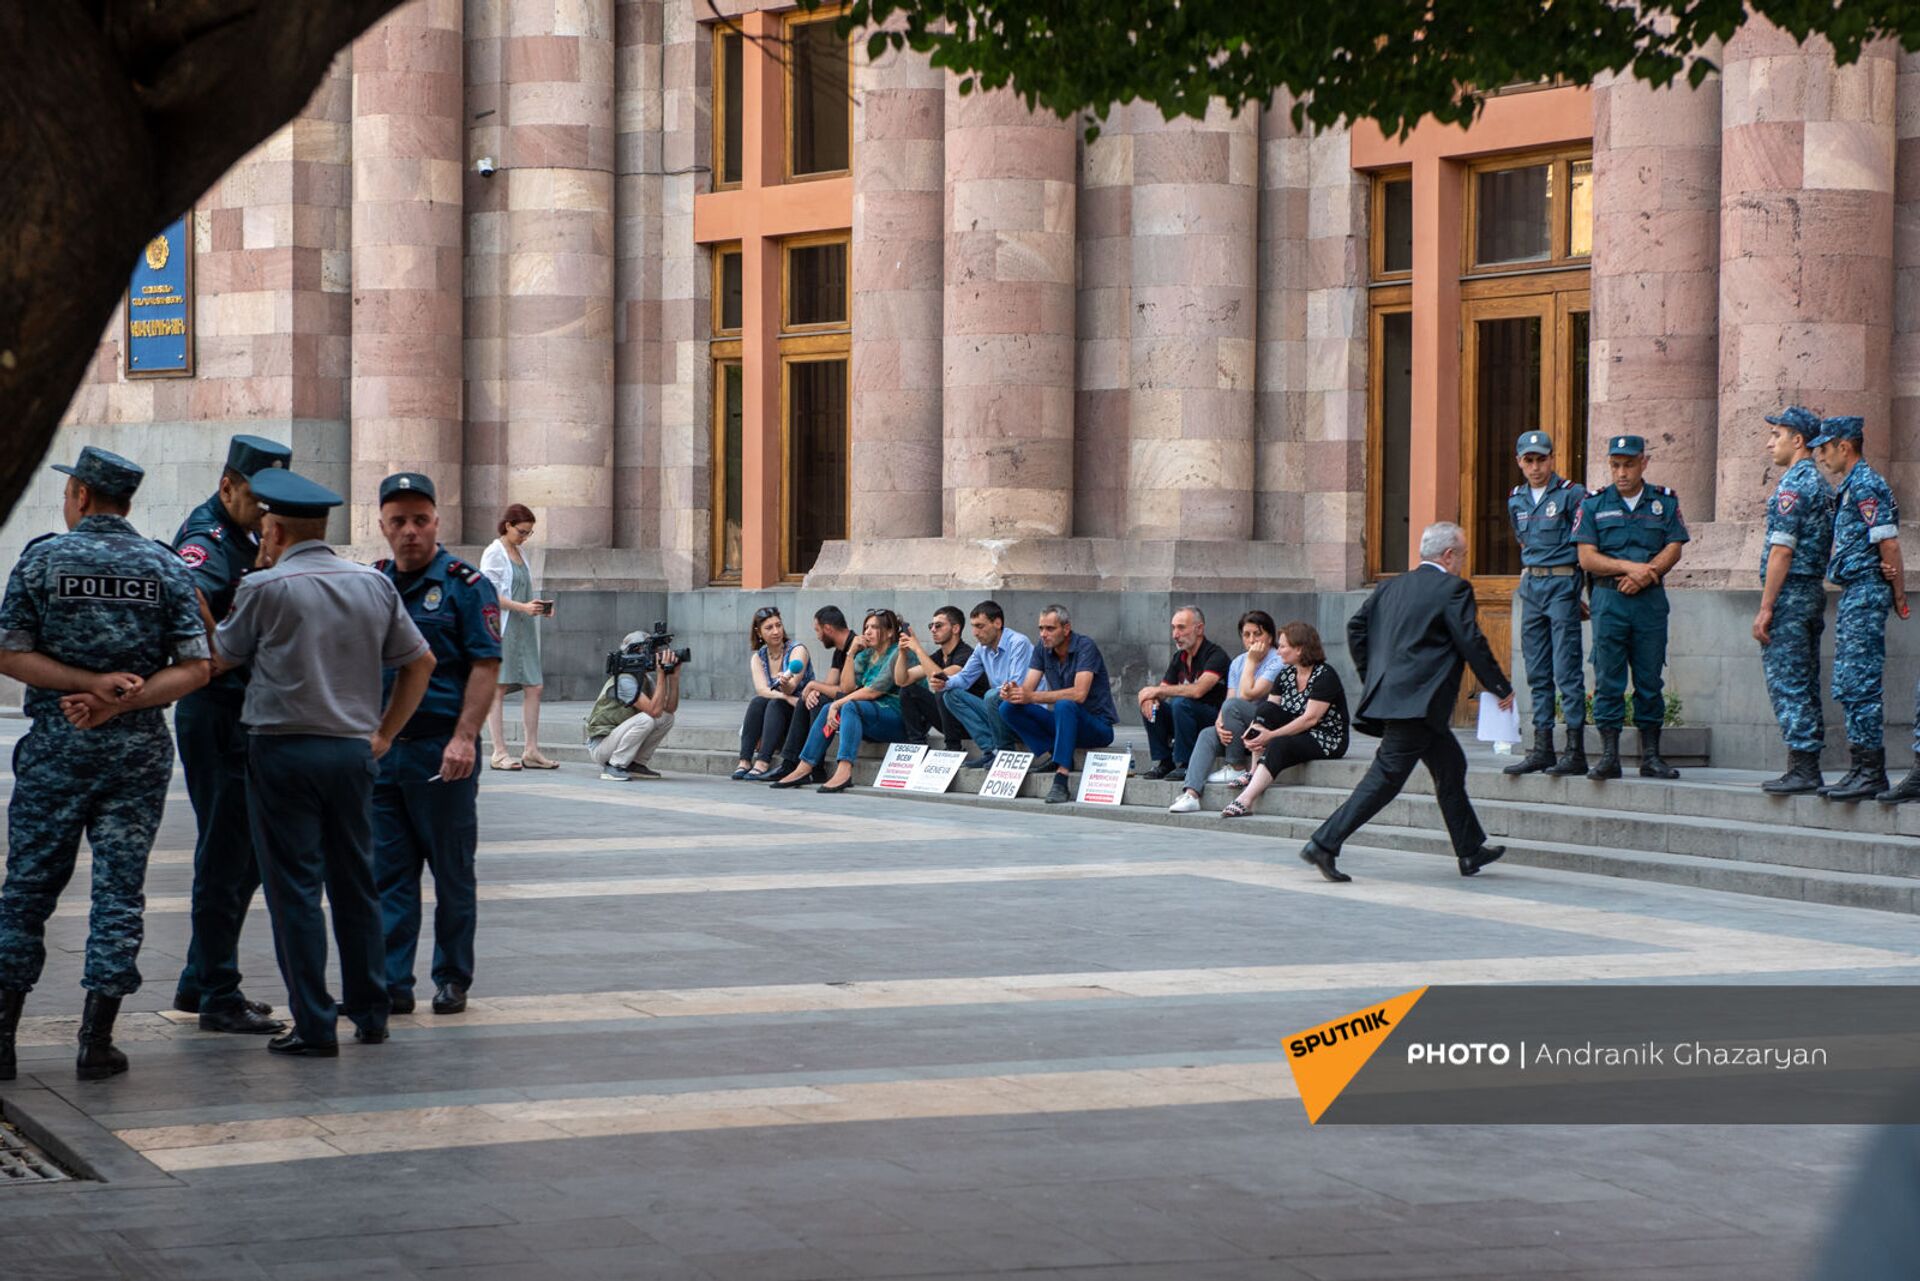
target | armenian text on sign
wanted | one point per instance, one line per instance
(159, 324)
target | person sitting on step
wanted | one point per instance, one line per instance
(1305, 718)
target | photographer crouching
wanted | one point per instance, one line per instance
(635, 709)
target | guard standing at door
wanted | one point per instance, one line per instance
(426, 796)
(219, 541)
(1629, 536)
(1542, 510)
(1793, 597)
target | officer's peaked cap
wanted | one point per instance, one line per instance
(289, 494)
(250, 455)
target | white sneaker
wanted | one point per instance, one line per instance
(1225, 774)
(1186, 803)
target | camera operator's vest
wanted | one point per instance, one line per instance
(609, 713)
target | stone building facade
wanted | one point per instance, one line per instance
(742, 316)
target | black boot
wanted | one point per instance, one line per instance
(1802, 776)
(1872, 780)
(1608, 766)
(1652, 765)
(98, 1059)
(1849, 778)
(11, 1003)
(1541, 757)
(1573, 761)
(1907, 789)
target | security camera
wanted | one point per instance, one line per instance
(484, 166)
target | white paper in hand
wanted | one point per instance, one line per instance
(1497, 726)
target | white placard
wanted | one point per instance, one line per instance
(1104, 778)
(899, 765)
(935, 772)
(1497, 726)
(1008, 773)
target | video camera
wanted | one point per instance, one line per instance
(639, 653)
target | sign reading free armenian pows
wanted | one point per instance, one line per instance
(157, 335)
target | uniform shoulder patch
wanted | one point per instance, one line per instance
(1514, 492)
(35, 542)
(464, 572)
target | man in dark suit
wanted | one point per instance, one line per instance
(1421, 628)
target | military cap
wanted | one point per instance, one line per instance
(402, 483)
(1628, 446)
(1846, 427)
(1797, 418)
(250, 454)
(289, 494)
(105, 473)
(1533, 442)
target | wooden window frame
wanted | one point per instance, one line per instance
(794, 20)
(1377, 221)
(717, 113)
(808, 349)
(1559, 213)
(1383, 302)
(719, 356)
(718, 293)
(810, 240)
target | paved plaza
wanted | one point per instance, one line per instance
(723, 1032)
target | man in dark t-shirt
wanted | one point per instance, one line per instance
(1187, 699)
(921, 675)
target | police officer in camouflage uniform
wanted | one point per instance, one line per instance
(426, 796)
(1793, 597)
(1542, 511)
(103, 627)
(1630, 535)
(219, 542)
(1866, 565)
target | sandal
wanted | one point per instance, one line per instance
(1235, 810)
(537, 762)
(502, 761)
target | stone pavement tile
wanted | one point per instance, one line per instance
(330, 1270)
(1627, 1255)
(1120, 1225)
(707, 1231)
(904, 1255)
(418, 1250)
(831, 1220)
(804, 1264)
(575, 1234)
(1014, 1248)
(1570, 1225)
(60, 1267)
(617, 1264)
(201, 1263)
(1521, 1261)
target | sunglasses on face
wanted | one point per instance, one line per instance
(764, 614)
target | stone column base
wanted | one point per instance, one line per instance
(1060, 565)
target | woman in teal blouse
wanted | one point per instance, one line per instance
(868, 706)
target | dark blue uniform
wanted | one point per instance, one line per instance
(217, 551)
(1865, 515)
(417, 823)
(1550, 596)
(1799, 516)
(1629, 632)
(100, 598)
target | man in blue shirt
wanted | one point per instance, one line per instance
(1793, 597)
(425, 798)
(1542, 511)
(1867, 567)
(1073, 709)
(1002, 658)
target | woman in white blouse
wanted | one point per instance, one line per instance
(512, 581)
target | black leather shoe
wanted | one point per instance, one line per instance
(294, 1043)
(1159, 771)
(781, 785)
(370, 1035)
(399, 1002)
(835, 788)
(982, 761)
(191, 1005)
(1472, 863)
(449, 998)
(99, 1058)
(1538, 760)
(1060, 793)
(1311, 853)
(241, 1019)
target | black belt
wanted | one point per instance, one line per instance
(1550, 571)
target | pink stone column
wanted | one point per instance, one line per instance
(1806, 246)
(1008, 323)
(558, 308)
(1905, 471)
(899, 185)
(1190, 465)
(408, 85)
(1282, 407)
(1654, 346)
(638, 78)
(1103, 322)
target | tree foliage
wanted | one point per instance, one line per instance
(1393, 63)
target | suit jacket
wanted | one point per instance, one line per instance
(1411, 642)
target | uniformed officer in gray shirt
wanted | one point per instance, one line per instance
(319, 629)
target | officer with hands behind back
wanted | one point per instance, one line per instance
(103, 627)
(220, 541)
(1793, 597)
(424, 801)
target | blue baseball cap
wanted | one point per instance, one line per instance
(105, 472)
(289, 494)
(1797, 418)
(1533, 442)
(1845, 427)
(1627, 446)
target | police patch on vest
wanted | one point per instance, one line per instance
(433, 598)
(194, 554)
(116, 588)
(1657, 508)
(491, 613)
(1787, 500)
(1552, 511)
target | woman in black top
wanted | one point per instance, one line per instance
(1303, 719)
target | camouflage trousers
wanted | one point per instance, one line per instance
(1860, 659)
(109, 784)
(1791, 662)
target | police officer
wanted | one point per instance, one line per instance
(103, 627)
(425, 797)
(219, 541)
(319, 629)
(1793, 597)
(1629, 535)
(1866, 565)
(1542, 511)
